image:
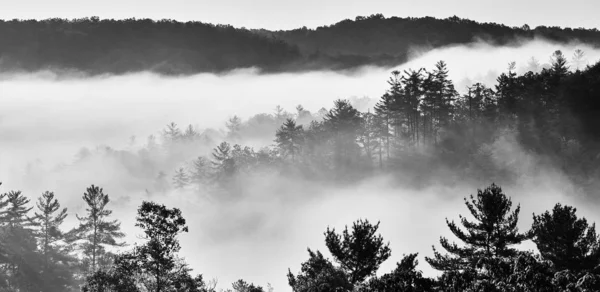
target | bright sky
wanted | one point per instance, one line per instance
(281, 14)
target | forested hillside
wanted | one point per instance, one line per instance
(98, 46)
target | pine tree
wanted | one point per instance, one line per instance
(223, 161)
(559, 64)
(190, 134)
(578, 59)
(57, 273)
(95, 231)
(319, 274)
(343, 122)
(180, 179)
(289, 138)
(360, 252)
(18, 243)
(384, 112)
(199, 171)
(50, 222)
(413, 95)
(234, 126)
(172, 133)
(405, 277)
(565, 240)
(487, 241)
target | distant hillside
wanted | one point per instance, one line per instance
(170, 47)
(376, 35)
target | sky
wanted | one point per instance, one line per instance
(279, 14)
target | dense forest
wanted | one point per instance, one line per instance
(421, 130)
(37, 255)
(98, 46)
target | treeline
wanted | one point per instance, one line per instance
(375, 35)
(37, 255)
(485, 259)
(99, 46)
(423, 129)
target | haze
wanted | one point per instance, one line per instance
(45, 119)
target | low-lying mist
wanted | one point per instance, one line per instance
(45, 119)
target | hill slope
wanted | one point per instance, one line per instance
(170, 47)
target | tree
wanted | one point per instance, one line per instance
(559, 64)
(223, 161)
(413, 95)
(199, 172)
(57, 273)
(50, 222)
(405, 277)
(318, 274)
(243, 286)
(172, 133)
(153, 266)
(488, 240)
(157, 257)
(190, 134)
(565, 240)
(180, 179)
(360, 252)
(343, 122)
(578, 59)
(18, 246)
(289, 138)
(94, 230)
(234, 125)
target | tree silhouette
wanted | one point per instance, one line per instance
(360, 251)
(565, 240)
(289, 138)
(180, 179)
(487, 241)
(95, 231)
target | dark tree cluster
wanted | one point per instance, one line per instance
(99, 46)
(422, 123)
(485, 260)
(422, 129)
(36, 254)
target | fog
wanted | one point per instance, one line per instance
(46, 118)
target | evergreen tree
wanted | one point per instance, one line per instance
(95, 231)
(190, 134)
(57, 272)
(223, 161)
(18, 246)
(360, 252)
(180, 179)
(578, 59)
(320, 275)
(199, 172)
(50, 222)
(565, 240)
(234, 126)
(343, 122)
(289, 138)
(172, 133)
(405, 277)
(384, 112)
(413, 95)
(487, 241)
(559, 64)
(243, 286)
